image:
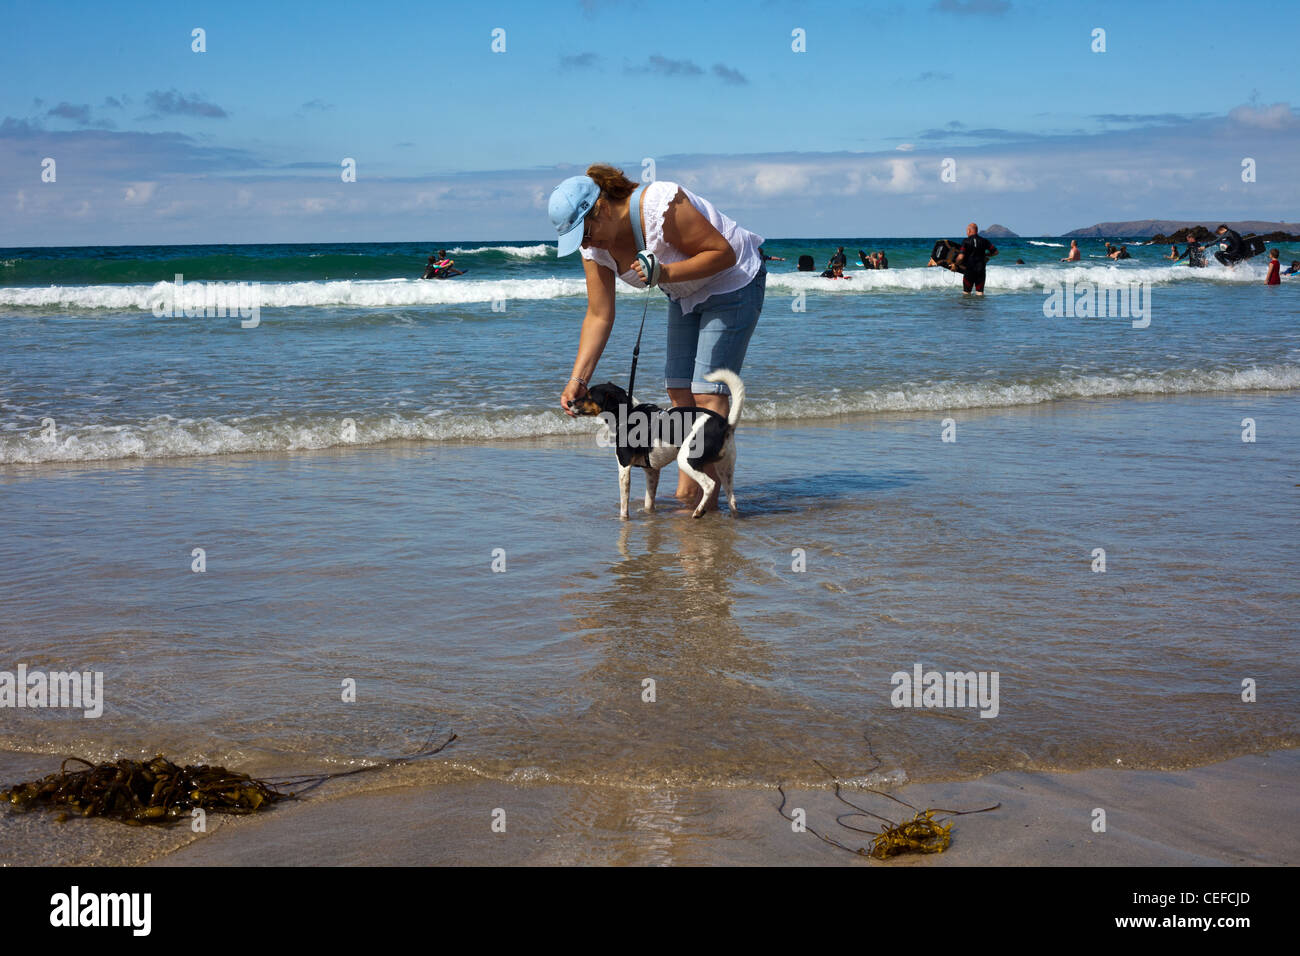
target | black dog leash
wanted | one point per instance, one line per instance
(631, 378)
(634, 211)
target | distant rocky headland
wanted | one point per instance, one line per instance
(1176, 230)
(996, 231)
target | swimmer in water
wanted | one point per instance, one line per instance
(1074, 254)
(444, 268)
(944, 254)
(1194, 254)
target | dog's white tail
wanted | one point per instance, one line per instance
(735, 386)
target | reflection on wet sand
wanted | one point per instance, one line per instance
(676, 609)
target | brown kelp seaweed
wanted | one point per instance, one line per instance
(158, 791)
(918, 835)
(922, 834)
(136, 791)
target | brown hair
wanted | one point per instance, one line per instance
(1273, 253)
(614, 186)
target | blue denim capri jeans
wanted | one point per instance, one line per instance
(712, 336)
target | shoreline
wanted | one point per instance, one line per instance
(554, 440)
(1224, 813)
(1219, 814)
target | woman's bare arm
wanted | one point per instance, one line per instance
(707, 250)
(596, 326)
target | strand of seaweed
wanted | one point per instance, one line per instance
(922, 834)
(305, 783)
(158, 791)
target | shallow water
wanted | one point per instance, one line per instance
(376, 565)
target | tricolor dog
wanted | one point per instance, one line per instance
(649, 437)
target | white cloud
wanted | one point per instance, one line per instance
(1051, 183)
(180, 209)
(781, 180)
(429, 198)
(1277, 116)
(902, 176)
(139, 193)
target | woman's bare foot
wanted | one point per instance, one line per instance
(688, 492)
(691, 498)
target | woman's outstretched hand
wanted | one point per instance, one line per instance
(574, 389)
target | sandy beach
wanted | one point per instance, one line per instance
(1227, 813)
(1230, 813)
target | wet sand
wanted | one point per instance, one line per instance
(1235, 812)
(1232, 813)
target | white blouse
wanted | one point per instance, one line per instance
(654, 204)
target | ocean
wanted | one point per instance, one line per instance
(384, 490)
(346, 333)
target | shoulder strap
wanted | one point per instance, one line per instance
(634, 211)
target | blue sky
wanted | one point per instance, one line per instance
(155, 143)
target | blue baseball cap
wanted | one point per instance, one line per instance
(570, 203)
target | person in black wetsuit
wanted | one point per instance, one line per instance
(1234, 252)
(839, 259)
(943, 254)
(1194, 254)
(974, 256)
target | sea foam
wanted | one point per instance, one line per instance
(389, 293)
(168, 437)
